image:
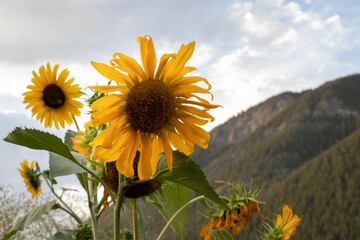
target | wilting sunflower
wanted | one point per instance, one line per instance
(31, 178)
(235, 219)
(287, 223)
(51, 97)
(151, 109)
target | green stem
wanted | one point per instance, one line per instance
(67, 208)
(92, 204)
(118, 205)
(177, 213)
(135, 221)
(95, 176)
(76, 124)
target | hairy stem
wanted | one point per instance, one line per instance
(135, 221)
(117, 209)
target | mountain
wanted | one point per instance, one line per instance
(245, 123)
(308, 125)
(326, 192)
(303, 148)
(281, 144)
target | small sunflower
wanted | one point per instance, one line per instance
(31, 178)
(151, 109)
(288, 223)
(82, 139)
(51, 97)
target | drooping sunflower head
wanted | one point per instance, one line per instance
(153, 108)
(242, 206)
(234, 219)
(31, 178)
(51, 97)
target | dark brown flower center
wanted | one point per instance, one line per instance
(33, 178)
(150, 106)
(53, 96)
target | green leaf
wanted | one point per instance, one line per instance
(188, 173)
(221, 234)
(36, 139)
(169, 200)
(32, 216)
(61, 166)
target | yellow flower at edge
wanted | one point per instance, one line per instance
(152, 108)
(31, 178)
(287, 223)
(51, 97)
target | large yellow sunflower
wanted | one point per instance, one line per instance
(51, 97)
(150, 109)
(31, 178)
(287, 223)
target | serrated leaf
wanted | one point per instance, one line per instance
(32, 216)
(61, 166)
(188, 173)
(36, 139)
(221, 234)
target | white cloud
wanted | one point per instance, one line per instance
(248, 50)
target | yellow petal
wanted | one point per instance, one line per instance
(112, 74)
(148, 55)
(144, 167)
(108, 89)
(108, 101)
(163, 61)
(178, 142)
(127, 155)
(167, 148)
(129, 65)
(107, 114)
(174, 68)
(154, 154)
(190, 80)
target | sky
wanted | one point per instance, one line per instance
(248, 50)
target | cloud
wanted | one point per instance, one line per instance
(249, 50)
(280, 47)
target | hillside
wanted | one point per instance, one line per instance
(326, 192)
(315, 121)
(290, 140)
(245, 123)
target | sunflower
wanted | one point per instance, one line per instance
(31, 178)
(82, 139)
(151, 109)
(51, 97)
(235, 219)
(287, 223)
